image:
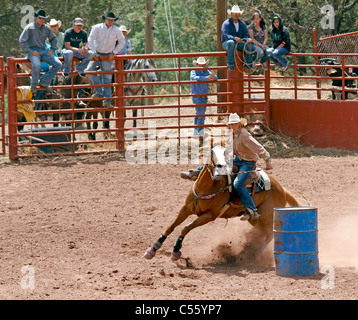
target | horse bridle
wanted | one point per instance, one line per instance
(210, 196)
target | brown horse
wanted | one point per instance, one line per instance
(209, 199)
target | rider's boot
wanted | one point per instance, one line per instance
(191, 175)
(250, 215)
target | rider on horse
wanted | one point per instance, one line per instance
(247, 151)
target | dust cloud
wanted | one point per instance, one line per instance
(337, 243)
(233, 241)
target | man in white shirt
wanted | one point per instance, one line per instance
(102, 40)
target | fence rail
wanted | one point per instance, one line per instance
(172, 110)
(2, 106)
(167, 105)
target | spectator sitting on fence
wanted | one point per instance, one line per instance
(259, 34)
(201, 89)
(281, 43)
(32, 40)
(102, 40)
(71, 48)
(234, 35)
(40, 94)
(55, 26)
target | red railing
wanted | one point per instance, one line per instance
(172, 109)
(246, 93)
(317, 79)
(2, 106)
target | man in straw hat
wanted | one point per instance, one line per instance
(127, 49)
(33, 42)
(246, 152)
(234, 34)
(55, 26)
(102, 40)
(200, 90)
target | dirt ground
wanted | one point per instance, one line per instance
(77, 228)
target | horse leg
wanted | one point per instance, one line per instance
(267, 240)
(135, 114)
(95, 124)
(200, 221)
(91, 136)
(183, 214)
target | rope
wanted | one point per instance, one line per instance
(245, 50)
(171, 33)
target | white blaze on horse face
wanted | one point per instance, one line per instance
(149, 64)
(220, 161)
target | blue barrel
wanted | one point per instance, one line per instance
(295, 241)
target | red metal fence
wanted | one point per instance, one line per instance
(172, 109)
(2, 106)
(167, 110)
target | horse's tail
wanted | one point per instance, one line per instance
(291, 200)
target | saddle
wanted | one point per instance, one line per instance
(256, 182)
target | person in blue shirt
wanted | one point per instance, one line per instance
(234, 34)
(40, 94)
(127, 49)
(32, 41)
(201, 90)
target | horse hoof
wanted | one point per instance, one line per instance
(149, 254)
(176, 255)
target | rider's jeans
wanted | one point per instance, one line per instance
(245, 169)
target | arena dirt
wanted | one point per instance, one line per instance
(79, 227)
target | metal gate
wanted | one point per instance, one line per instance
(2, 106)
(171, 111)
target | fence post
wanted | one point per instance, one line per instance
(343, 78)
(2, 106)
(267, 97)
(11, 109)
(119, 103)
(315, 46)
(236, 86)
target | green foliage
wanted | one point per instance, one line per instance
(193, 21)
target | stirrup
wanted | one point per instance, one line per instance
(250, 216)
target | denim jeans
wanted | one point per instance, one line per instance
(277, 57)
(47, 77)
(68, 55)
(239, 181)
(199, 111)
(264, 56)
(229, 46)
(106, 65)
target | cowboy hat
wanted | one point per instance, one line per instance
(54, 22)
(235, 9)
(41, 14)
(124, 29)
(110, 15)
(234, 118)
(201, 61)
